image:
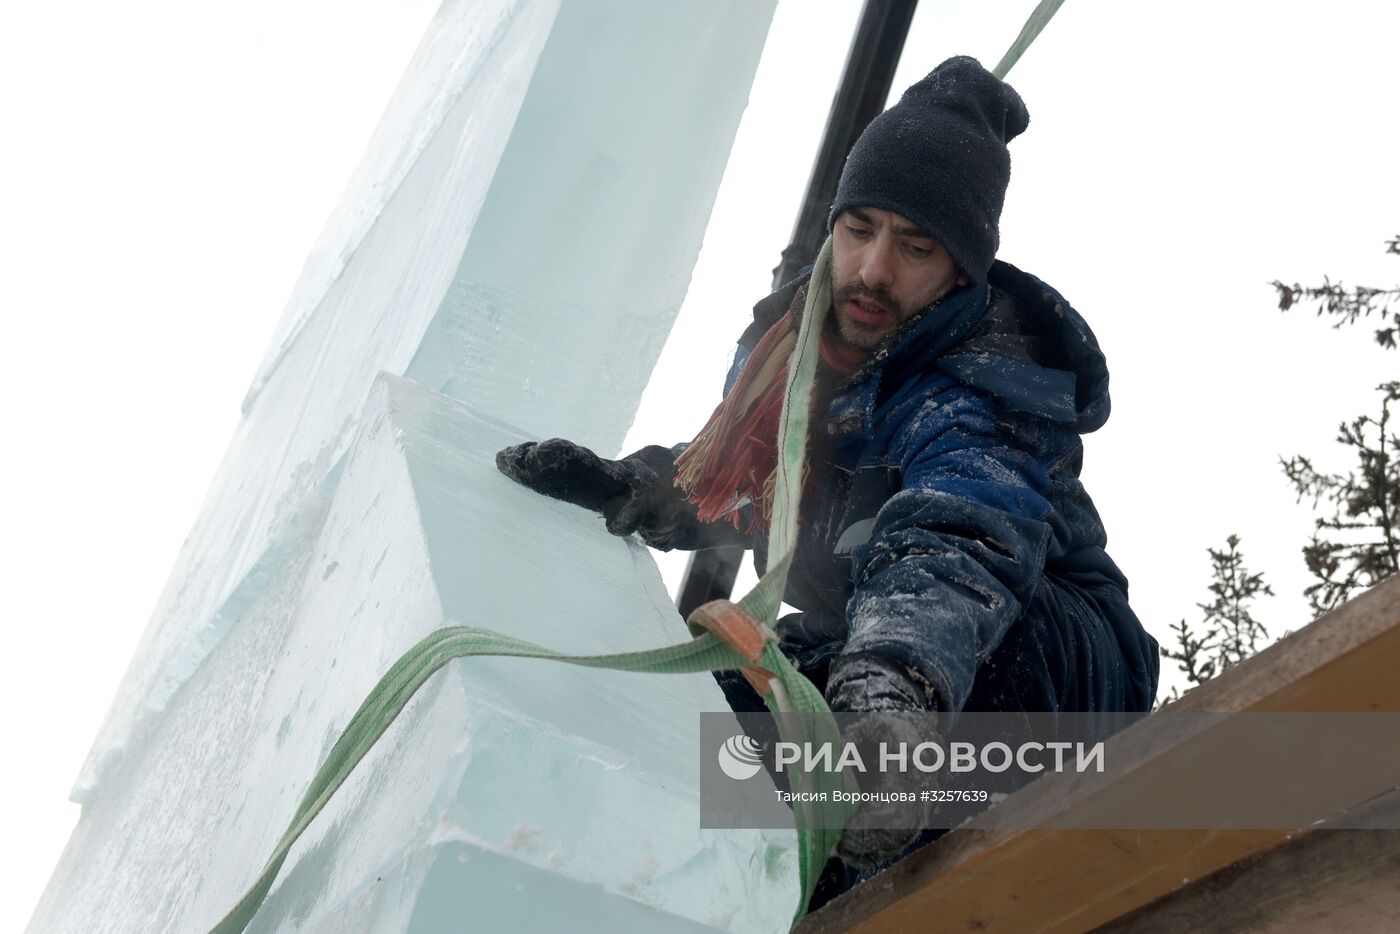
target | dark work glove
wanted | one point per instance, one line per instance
(863, 682)
(563, 470)
(634, 495)
(899, 711)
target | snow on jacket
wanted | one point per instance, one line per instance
(949, 494)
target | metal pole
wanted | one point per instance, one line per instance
(865, 86)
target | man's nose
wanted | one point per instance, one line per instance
(877, 267)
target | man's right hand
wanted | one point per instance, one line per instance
(896, 710)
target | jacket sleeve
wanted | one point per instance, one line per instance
(958, 550)
(659, 512)
(668, 519)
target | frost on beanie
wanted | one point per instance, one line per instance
(938, 157)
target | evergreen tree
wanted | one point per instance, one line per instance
(1349, 305)
(1357, 545)
(1228, 632)
(1354, 547)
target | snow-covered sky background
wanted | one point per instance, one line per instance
(167, 166)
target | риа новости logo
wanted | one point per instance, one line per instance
(740, 757)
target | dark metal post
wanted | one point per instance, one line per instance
(709, 575)
(865, 86)
(861, 96)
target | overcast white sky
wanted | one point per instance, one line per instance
(167, 166)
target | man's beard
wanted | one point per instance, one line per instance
(854, 333)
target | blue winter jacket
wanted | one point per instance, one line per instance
(949, 511)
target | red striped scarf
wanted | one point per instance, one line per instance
(734, 458)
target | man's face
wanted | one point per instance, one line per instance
(884, 270)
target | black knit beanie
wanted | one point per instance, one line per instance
(939, 158)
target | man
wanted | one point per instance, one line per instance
(949, 558)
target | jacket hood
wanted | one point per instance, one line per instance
(1033, 353)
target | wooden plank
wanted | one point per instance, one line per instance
(1325, 880)
(1069, 881)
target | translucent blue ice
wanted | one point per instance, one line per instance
(506, 264)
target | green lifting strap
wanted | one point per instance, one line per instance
(1034, 24)
(818, 825)
(409, 673)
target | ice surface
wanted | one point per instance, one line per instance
(512, 794)
(520, 237)
(506, 264)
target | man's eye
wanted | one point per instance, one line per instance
(858, 231)
(918, 250)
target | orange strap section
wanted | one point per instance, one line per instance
(733, 626)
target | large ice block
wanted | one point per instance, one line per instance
(520, 236)
(518, 239)
(511, 794)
